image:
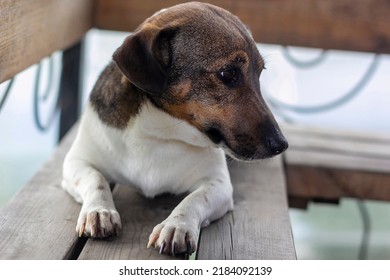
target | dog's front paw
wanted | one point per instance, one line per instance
(99, 223)
(174, 237)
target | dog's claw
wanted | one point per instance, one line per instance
(81, 230)
(100, 223)
(152, 241)
(189, 247)
(117, 229)
(162, 247)
(173, 249)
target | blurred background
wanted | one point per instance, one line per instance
(294, 76)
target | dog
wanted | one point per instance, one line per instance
(181, 93)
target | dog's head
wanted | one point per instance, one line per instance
(199, 63)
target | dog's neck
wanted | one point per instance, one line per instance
(121, 105)
(153, 122)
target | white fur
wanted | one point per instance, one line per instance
(156, 153)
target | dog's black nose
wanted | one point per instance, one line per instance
(277, 145)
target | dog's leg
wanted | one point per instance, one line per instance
(98, 216)
(179, 232)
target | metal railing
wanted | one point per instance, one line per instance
(67, 101)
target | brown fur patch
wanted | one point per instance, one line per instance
(181, 91)
(114, 98)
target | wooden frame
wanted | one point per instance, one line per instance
(328, 165)
(32, 30)
(358, 25)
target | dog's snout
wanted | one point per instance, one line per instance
(277, 145)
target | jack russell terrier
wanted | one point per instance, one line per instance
(182, 91)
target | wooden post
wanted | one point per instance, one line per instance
(70, 87)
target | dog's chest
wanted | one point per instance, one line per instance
(155, 153)
(156, 167)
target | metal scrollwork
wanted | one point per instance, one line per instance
(40, 98)
(6, 92)
(343, 99)
(304, 64)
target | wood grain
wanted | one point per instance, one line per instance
(357, 25)
(39, 222)
(332, 164)
(32, 30)
(256, 229)
(331, 184)
(259, 227)
(337, 149)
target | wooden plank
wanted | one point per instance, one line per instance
(259, 227)
(332, 160)
(32, 30)
(331, 183)
(139, 215)
(337, 149)
(332, 164)
(39, 222)
(357, 25)
(315, 131)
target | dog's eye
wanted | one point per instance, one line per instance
(230, 77)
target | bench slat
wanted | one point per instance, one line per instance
(357, 25)
(259, 227)
(39, 222)
(332, 184)
(337, 149)
(32, 30)
(329, 164)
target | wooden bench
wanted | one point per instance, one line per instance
(327, 165)
(39, 222)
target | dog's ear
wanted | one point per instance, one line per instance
(144, 58)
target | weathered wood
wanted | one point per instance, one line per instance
(328, 183)
(259, 226)
(357, 25)
(331, 164)
(39, 222)
(337, 149)
(139, 215)
(32, 30)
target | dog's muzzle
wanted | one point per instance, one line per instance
(268, 143)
